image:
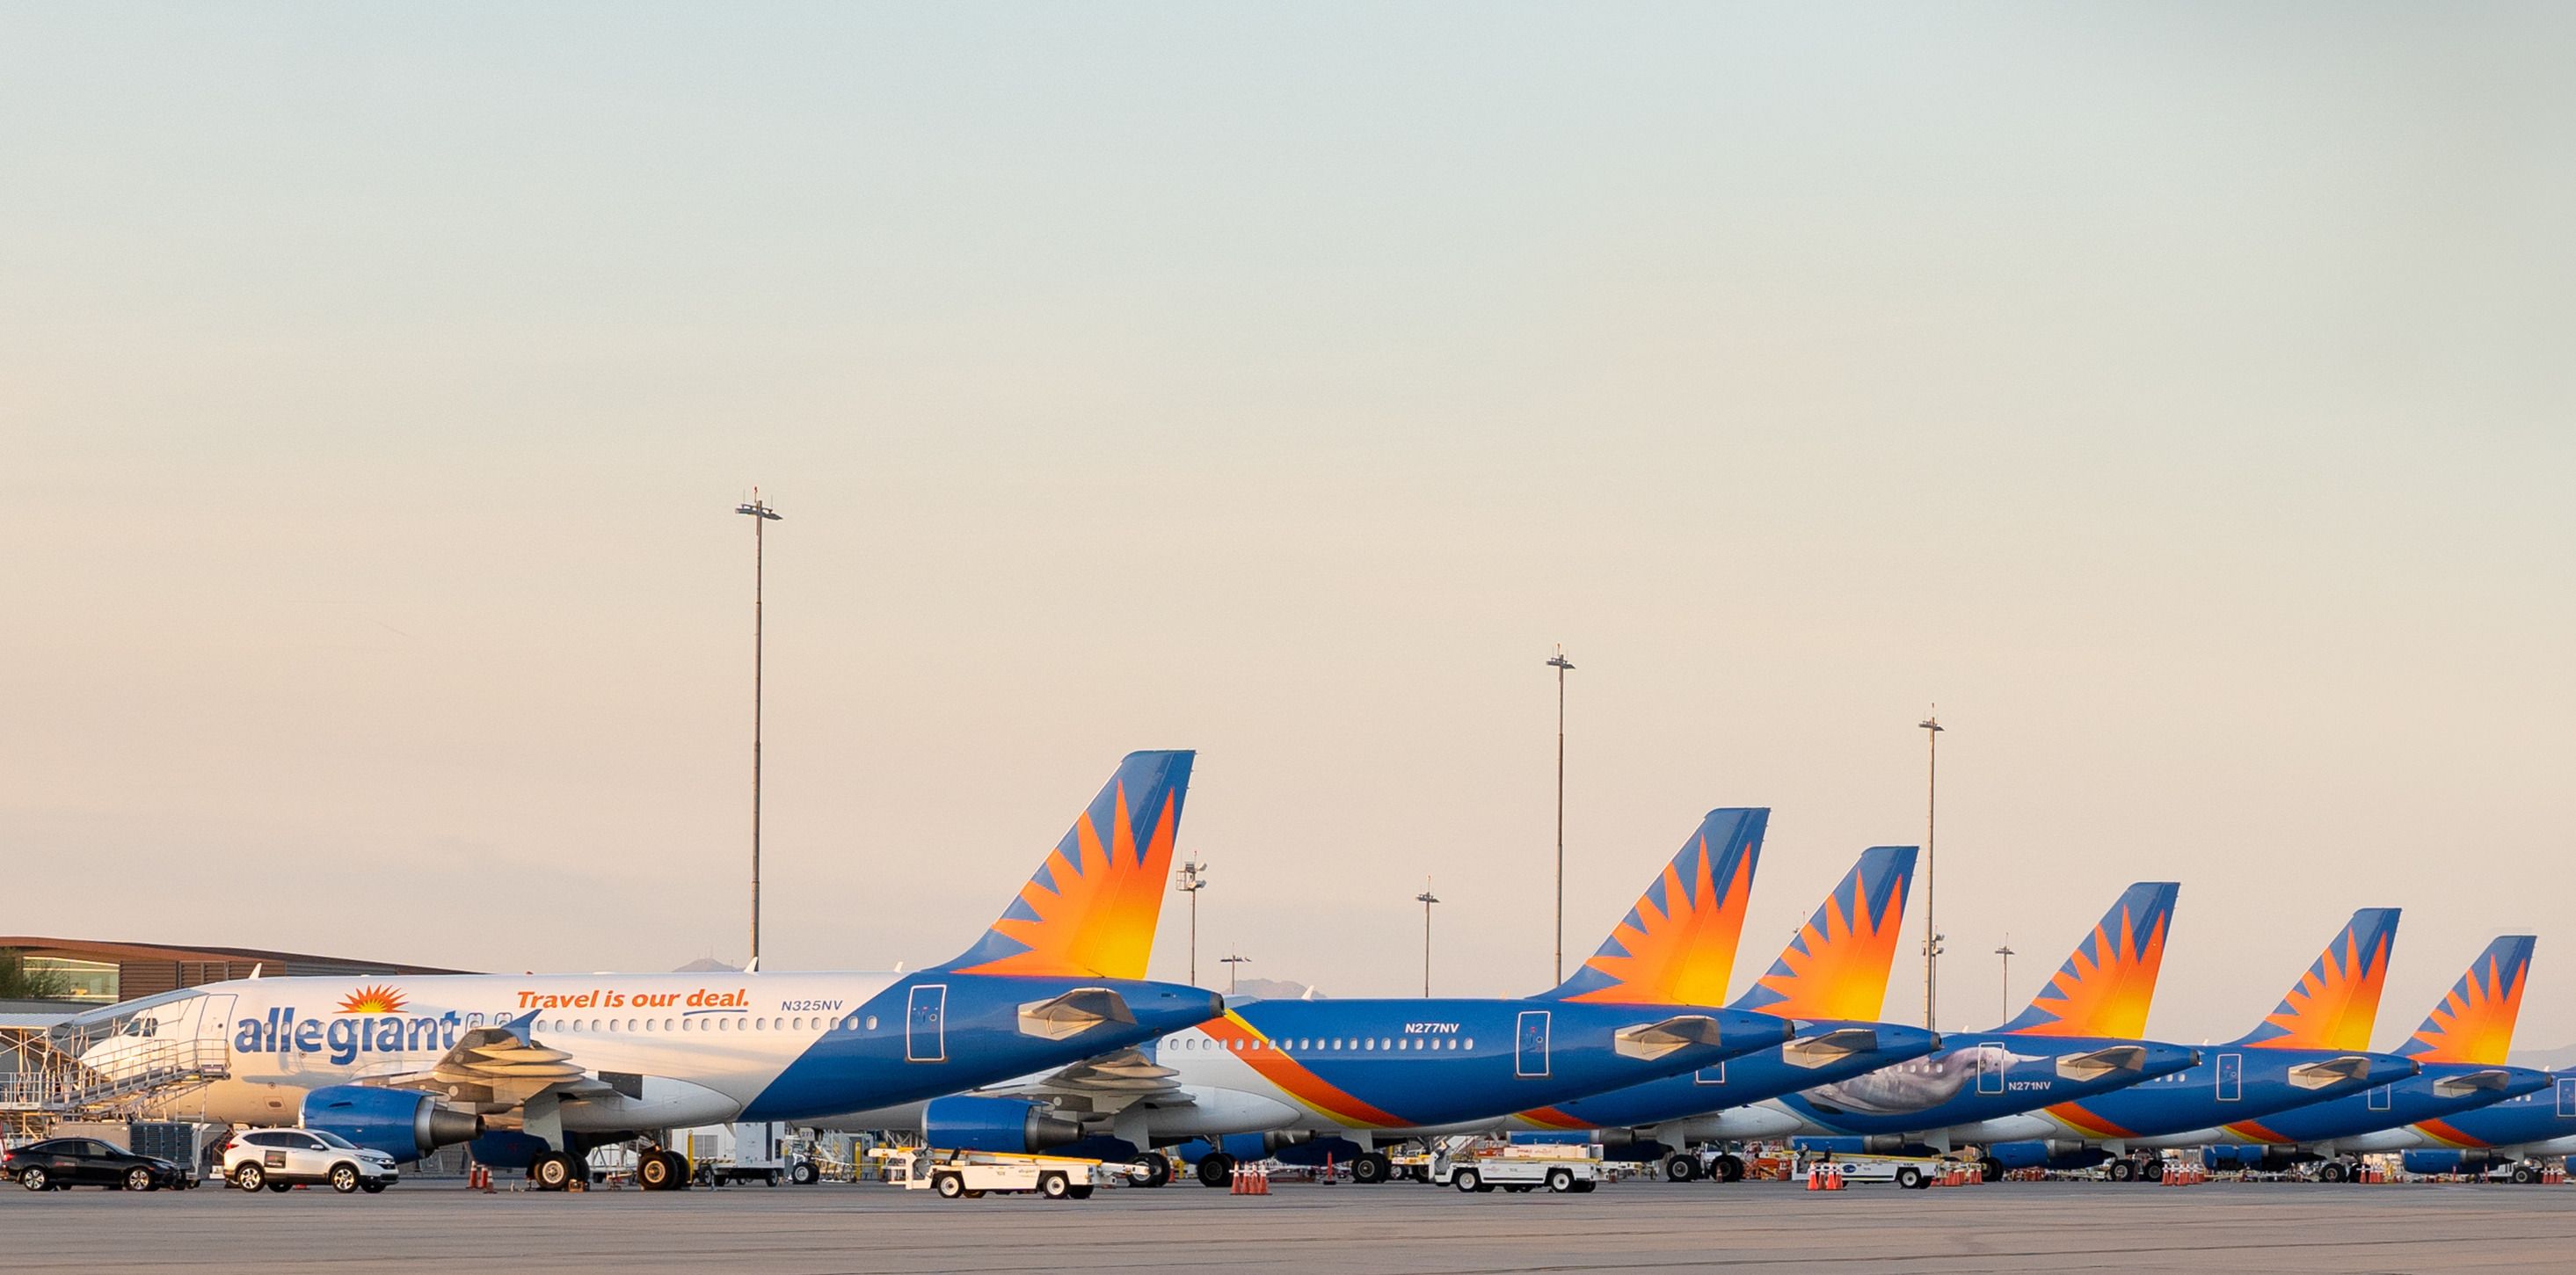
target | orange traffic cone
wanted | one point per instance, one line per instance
(1815, 1178)
(1834, 1178)
(1261, 1180)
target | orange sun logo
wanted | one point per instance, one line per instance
(2108, 983)
(1683, 951)
(2337, 1000)
(1093, 912)
(1837, 966)
(378, 999)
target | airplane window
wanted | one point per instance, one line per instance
(1337, 1042)
(872, 1022)
(594, 1025)
(630, 1024)
(1471, 1044)
(763, 1024)
(1368, 1045)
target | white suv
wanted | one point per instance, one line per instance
(281, 1158)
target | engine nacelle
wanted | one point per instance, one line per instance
(398, 1122)
(2451, 1161)
(2047, 1153)
(1011, 1125)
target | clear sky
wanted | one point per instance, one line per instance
(2178, 394)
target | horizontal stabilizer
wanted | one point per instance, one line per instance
(1830, 1048)
(2102, 1062)
(2333, 1071)
(1073, 1013)
(2488, 1081)
(1654, 1040)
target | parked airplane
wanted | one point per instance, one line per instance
(543, 1067)
(2461, 1047)
(2314, 1048)
(1831, 981)
(1276, 1071)
(2077, 1039)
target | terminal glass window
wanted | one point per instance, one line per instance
(90, 981)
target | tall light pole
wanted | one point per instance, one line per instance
(2006, 952)
(1189, 880)
(1562, 666)
(1931, 725)
(761, 516)
(1426, 899)
(1230, 963)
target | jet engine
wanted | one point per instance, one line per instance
(398, 1122)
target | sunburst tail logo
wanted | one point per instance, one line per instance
(2108, 983)
(1091, 910)
(1677, 945)
(1836, 965)
(2334, 1004)
(378, 999)
(2474, 1024)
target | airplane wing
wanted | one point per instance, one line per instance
(1107, 1085)
(1829, 1048)
(1654, 1040)
(2318, 1075)
(2102, 1062)
(2474, 1082)
(495, 1069)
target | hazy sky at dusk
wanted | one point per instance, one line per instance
(2180, 395)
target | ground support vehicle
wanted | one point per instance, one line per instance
(282, 1159)
(1518, 1169)
(966, 1175)
(1914, 1173)
(59, 1164)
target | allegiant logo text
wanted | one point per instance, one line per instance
(345, 1038)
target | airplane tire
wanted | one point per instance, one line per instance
(653, 1171)
(2152, 1171)
(2332, 1172)
(1991, 1169)
(1216, 1169)
(1681, 1167)
(1370, 1169)
(2125, 1171)
(1730, 1168)
(553, 1171)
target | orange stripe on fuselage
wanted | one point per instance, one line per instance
(2076, 1116)
(1554, 1118)
(2442, 1132)
(1294, 1079)
(2253, 1131)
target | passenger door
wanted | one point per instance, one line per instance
(1529, 1045)
(1991, 1065)
(925, 1033)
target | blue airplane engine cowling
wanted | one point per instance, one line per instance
(507, 1149)
(1010, 1125)
(2049, 1153)
(398, 1122)
(2450, 1161)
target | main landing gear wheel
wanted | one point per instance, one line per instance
(804, 1174)
(1730, 1168)
(1680, 1167)
(1469, 1180)
(2152, 1171)
(1371, 1168)
(2330, 1173)
(1157, 1170)
(1216, 1169)
(2127, 1171)
(655, 1172)
(1991, 1169)
(554, 1171)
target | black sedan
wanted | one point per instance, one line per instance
(59, 1164)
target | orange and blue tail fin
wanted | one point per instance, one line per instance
(2105, 987)
(1677, 946)
(1091, 910)
(2334, 1004)
(2474, 1024)
(1836, 967)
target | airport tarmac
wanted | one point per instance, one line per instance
(1641, 1226)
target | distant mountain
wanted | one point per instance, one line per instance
(2545, 1059)
(708, 965)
